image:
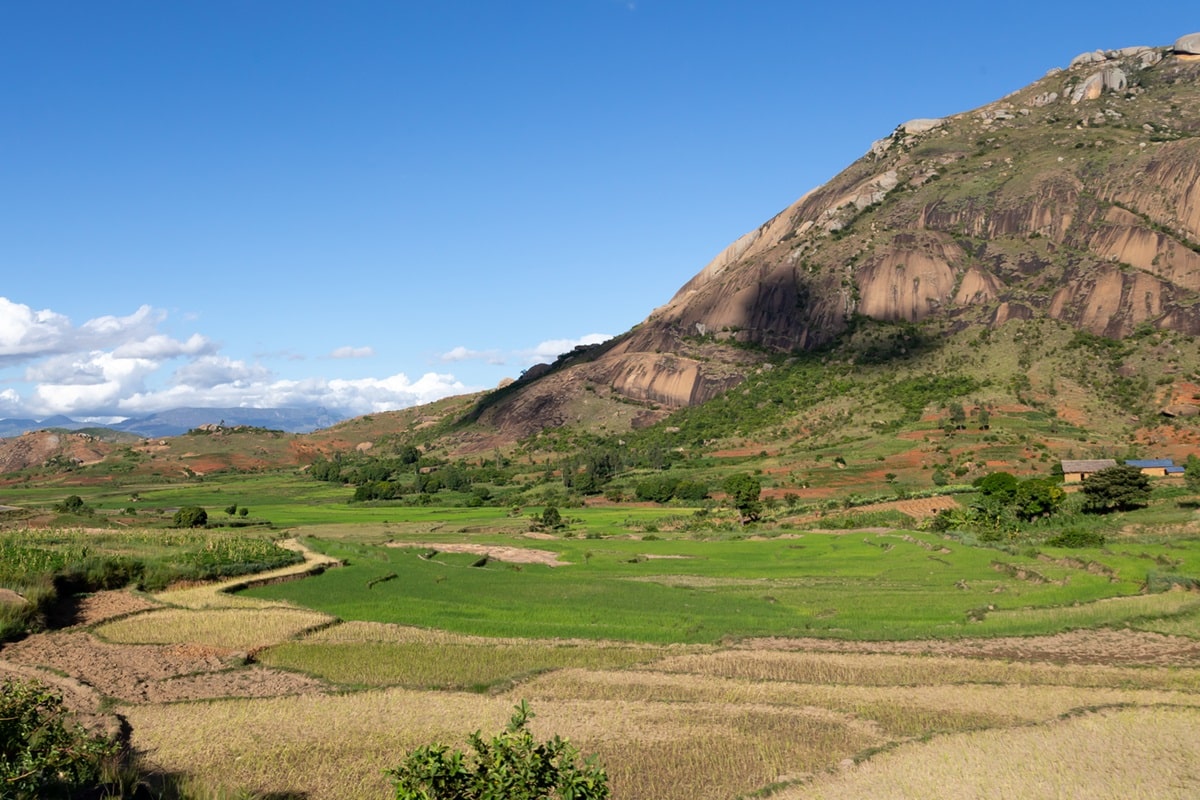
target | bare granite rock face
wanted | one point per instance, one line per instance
(1188, 45)
(1076, 198)
(1109, 79)
(1094, 57)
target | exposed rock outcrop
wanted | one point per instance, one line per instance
(1188, 45)
(1109, 79)
(1076, 198)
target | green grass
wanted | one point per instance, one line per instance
(40, 564)
(856, 585)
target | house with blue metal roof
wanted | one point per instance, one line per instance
(1155, 467)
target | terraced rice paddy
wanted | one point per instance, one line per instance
(288, 701)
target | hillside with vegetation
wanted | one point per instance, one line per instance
(805, 532)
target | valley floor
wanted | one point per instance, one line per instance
(1094, 713)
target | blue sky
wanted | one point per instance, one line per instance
(365, 205)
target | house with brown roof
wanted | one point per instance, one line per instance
(1076, 471)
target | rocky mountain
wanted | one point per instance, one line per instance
(1076, 198)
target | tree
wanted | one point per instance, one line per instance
(958, 416)
(551, 518)
(73, 505)
(512, 766)
(1001, 486)
(243, 511)
(190, 517)
(1191, 473)
(231, 510)
(743, 491)
(1115, 489)
(1037, 497)
(656, 488)
(44, 754)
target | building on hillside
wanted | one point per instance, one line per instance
(1155, 467)
(1076, 471)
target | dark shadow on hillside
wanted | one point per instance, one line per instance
(872, 342)
(64, 612)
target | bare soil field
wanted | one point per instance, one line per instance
(95, 608)
(153, 673)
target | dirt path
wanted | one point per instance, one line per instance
(144, 673)
(218, 595)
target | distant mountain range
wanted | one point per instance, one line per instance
(176, 421)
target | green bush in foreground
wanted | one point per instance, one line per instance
(43, 754)
(511, 766)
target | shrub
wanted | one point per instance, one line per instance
(691, 491)
(1001, 485)
(190, 517)
(44, 754)
(1074, 537)
(656, 489)
(551, 518)
(73, 505)
(510, 766)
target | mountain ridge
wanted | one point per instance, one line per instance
(1073, 198)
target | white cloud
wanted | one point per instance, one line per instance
(157, 346)
(120, 366)
(94, 382)
(353, 352)
(25, 333)
(361, 396)
(107, 331)
(461, 353)
(542, 352)
(553, 348)
(367, 395)
(10, 403)
(209, 371)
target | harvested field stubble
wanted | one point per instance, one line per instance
(231, 628)
(336, 747)
(889, 670)
(1122, 754)
(915, 711)
(434, 666)
(672, 721)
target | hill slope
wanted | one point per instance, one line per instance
(1076, 198)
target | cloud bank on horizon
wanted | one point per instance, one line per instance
(122, 366)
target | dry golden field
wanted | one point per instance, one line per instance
(200, 679)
